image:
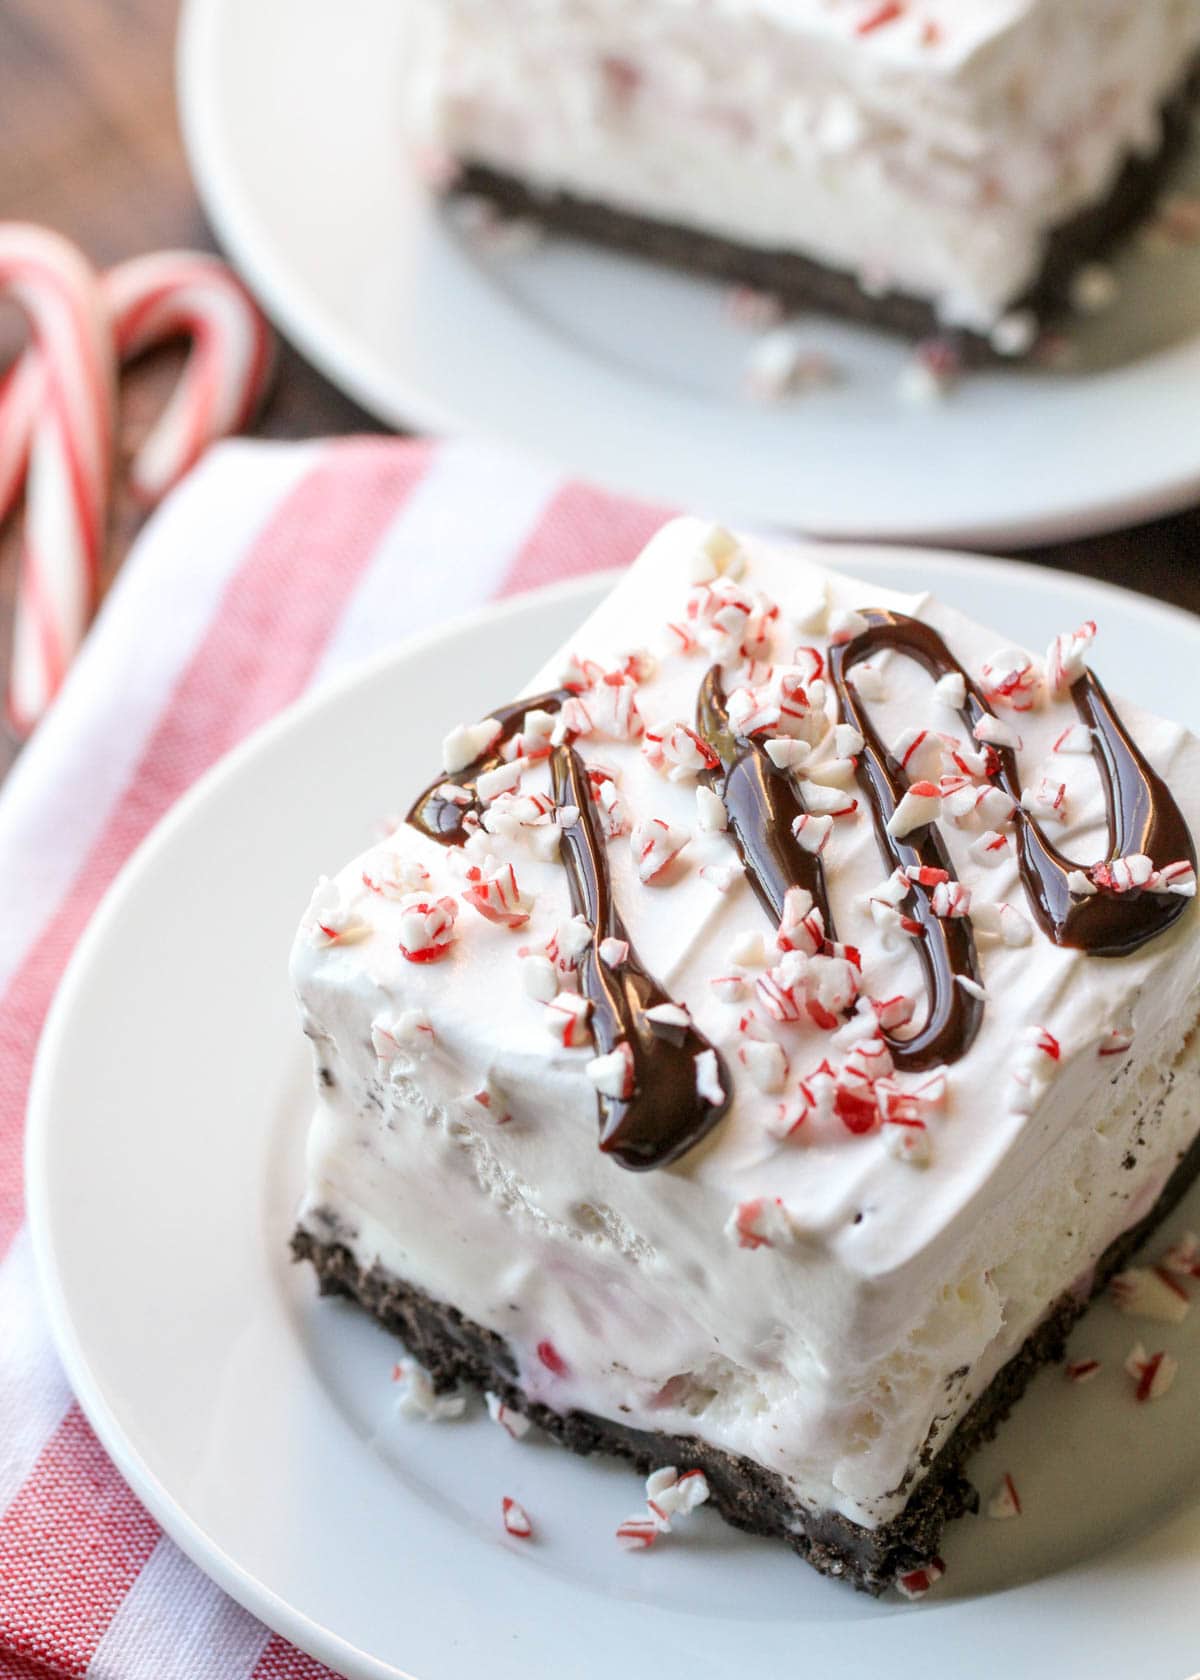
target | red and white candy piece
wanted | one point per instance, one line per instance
(513, 1422)
(951, 691)
(1183, 1259)
(1082, 1370)
(497, 896)
(1011, 678)
(994, 732)
(655, 846)
(1125, 874)
(390, 875)
(761, 1222)
(710, 811)
(915, 1583)
(427, 928)
(467, 742)
(1153, 1373)
(66, 445)
(765, 1062)
(638, 1533)
(408, 1033)
(331, 918)
(1048, 800)
(921, 804)
(516, 1519)
(1150, 1292)
(567, 1020)
(1066, 658)
(613, 1075)
(1005, 1501)
(677, 751)
(668, 1494)
(1075, 738)
(811, 832)
(708, 1078)
(950, 899)
(613, 952)
(417, 1397)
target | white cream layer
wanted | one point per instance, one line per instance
(930, 155)
(828, 1360)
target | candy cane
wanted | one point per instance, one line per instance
(144, 303)
(69, 457)
(155, 298)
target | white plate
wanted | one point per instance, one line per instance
(629, 373)
(166, 1135)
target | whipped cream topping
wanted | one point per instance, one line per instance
(800, 1286)
(925, 146)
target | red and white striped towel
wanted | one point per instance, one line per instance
(272, 568)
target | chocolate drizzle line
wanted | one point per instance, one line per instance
(444, 820)
(665, 1115)
(762, 801)
(1142, 815)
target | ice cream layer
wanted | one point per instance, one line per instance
(822, 1283)
(926, 147)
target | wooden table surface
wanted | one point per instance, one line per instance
(89, 144)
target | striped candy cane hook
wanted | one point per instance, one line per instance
(155, 298)
(139, 304)
(69, 449)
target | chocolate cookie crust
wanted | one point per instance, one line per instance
(454, 1350)
(803, 284)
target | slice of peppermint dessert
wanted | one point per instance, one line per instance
(754, 1048)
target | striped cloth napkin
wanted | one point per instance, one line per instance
(270, 570)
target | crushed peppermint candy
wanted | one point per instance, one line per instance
(567, 1020)
(761, 1222)
(516, 1519)
(722, 875)
(613, 1074)
(385, 872)
(1150, 1292)
(676, 750)
(568, 942)
(710, 811)
(407, 1034)
(467, 743)
(766, 1064)
(951, 691)
(427, 928)
(931, 373)
(1153, 1373)
(996, 733)
(1066, 658)
(655, 846)
(638, 1533)
(917, 1582)
(1081, 885)
(908, 1140)
(708, 1078)
(829, 801)
(1047, 800)
(1183, 1258)
(782, 364)
(497, 897)
(990, 849)
(811, 832)
(331, 919)
(868, 680)
(613, 952)
(1075, 738)
(513, 1422)
(920, 804)
(1011, 678)
(1125, 874)
(1081, 1370)
(539, 977)
(670, 1021)
(950, 899)
(730, 988)
(1116, 1042)
(417, 1397)
(1005, 1501)
(668, 1494)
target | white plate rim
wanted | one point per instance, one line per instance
(276, 1612)
(406, 403)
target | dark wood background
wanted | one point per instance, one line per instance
(89, 145)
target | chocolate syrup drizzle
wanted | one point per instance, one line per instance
(444, 819)
(1142, 814)
(664, 1116)
(762, 801)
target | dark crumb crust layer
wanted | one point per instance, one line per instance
(803, 284)
(454, 1350)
